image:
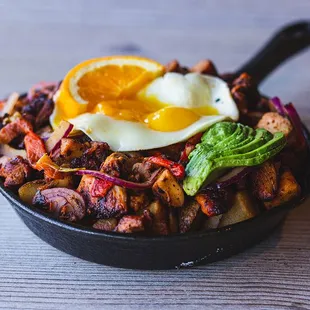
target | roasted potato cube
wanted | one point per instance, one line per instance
(212, 222)
(243, 208)
(288, 190)
(67, 182)
(274, 122)
(106, 224)
(264, 181)
(29, 189)
(190, 217)
(130, 224)
(168, 189)
(158, 212)
(71, 148)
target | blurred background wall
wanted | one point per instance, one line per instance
(41, 40)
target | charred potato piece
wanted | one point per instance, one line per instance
(168, 189)
(288, 190)
(265, 181)
(158, 212)
(274, 122)
(243, 208)
(190, 217)
(106, 224)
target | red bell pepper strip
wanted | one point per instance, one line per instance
(189, 146)
(34, 146)
(176, 169)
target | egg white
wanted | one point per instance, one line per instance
(189, 91)
(131, 136)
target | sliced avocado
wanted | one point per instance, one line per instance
(218, 132)
(226, 145)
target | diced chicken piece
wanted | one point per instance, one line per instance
(190, 217)
(168, 189)
(106, 224)
(243, 208)
(130, 224)
(288, 190)
(274, 122)
(16, 172)
(14, 129)
(114, 204)
(264, 181)
(158, 213)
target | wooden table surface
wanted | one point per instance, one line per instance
(41, 40)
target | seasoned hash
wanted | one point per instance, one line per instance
(224, 174)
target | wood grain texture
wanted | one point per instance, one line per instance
(41, 40)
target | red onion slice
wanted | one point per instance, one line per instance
(63, 202)
(121, 182)
(278, 106)
(62, 131)
(233, 176)
(296, 121)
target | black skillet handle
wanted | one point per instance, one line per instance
(284, 44)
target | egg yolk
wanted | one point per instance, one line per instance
(155, 115)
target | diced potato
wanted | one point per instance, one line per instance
(288, 190)
(71, 148)
(67, 182)
(190, 217)
(159, 224)
(168, 189)
(264, 181)
(29, 189)
(243, 208)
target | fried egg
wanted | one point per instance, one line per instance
(170, 109)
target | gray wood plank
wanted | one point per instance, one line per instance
(41, 40)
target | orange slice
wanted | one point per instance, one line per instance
(102, 79)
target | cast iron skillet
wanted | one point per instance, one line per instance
(141, 252)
